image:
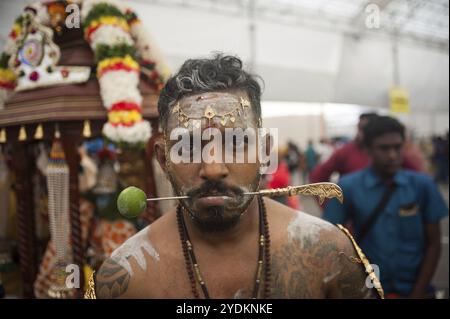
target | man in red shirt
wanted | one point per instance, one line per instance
(352, 157)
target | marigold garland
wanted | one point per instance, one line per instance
(118, 72)
(117, 38)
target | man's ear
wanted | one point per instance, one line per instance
(268, 139)
(160, 152)
(269, 156)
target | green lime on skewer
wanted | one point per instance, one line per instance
(131, 202)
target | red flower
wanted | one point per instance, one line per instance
(65, 73)
(106, 154)
(13, 35)
(34, 76)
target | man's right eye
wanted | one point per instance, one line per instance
(190, 148)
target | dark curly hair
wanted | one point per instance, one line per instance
(221, 72)
(380, 125)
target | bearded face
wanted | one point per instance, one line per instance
(215, 185)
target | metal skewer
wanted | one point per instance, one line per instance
(166, 198)
(322, 190)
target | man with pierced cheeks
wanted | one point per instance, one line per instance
(220, 243)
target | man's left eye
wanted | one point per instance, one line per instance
(239, 142)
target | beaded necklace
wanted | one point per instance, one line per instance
(193, 268)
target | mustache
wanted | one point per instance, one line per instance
(215, 188)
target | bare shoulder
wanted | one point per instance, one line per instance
(134, 262)
(313, 258)
(291, 226)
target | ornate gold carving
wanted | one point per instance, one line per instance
(166, 153)
(244, 103)
(368, 267)
(322, 190)
(352, 259)
(210, 113)
(90, 292)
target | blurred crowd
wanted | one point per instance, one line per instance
(392, 203)
(330, 158)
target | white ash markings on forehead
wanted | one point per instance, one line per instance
(135, 247)
(224, 107)
(306, 227)
(223, 101)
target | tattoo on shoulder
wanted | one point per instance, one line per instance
(112, 280)
(324, 266)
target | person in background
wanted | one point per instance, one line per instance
(446, 164)
(311, 156)
(440, 159)
(303, 169)
(281, 177)
(426, 148)
(352, 157)
(324, 150)
(395, 213)
(292, 159)
(413, 152)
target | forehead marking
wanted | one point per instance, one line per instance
(239, 108)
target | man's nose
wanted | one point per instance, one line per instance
(393, 154)
(213, 171)
(213, 167)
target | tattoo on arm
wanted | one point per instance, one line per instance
(291, 275)
(351, 283)
(297, 269)
(112, 280)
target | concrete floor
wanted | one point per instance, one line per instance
(441, 277)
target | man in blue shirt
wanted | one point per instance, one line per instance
(402, 234)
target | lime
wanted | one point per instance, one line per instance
(131, 202)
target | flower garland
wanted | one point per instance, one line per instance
(117, 38)
(107, 31)
(7, 76)
(16, 29)
(158, 72)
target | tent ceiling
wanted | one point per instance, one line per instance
(422, 21)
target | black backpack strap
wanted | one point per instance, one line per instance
(365, 228)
